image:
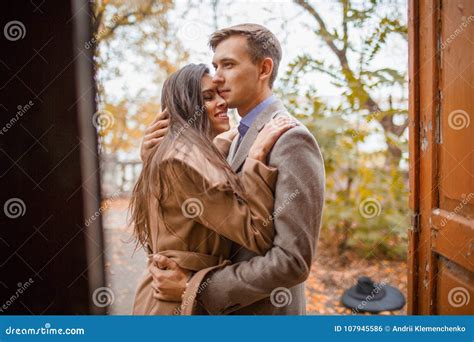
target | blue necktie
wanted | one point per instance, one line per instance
(242, 130)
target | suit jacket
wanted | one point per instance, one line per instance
(201, 217)
(273, 284)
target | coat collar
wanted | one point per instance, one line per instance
(238, 154)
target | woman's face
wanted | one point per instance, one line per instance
(215, 105)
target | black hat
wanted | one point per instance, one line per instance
(368, 296)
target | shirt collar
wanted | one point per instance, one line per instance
(248, 119)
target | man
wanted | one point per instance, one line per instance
(246, 59)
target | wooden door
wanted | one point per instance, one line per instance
(441, 241)
(51, 262)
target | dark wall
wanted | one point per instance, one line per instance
(50, 261)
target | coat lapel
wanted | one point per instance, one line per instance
(240, 153)
(232, 149)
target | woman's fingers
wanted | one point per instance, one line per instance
(269, 135)
(160, 116)
(276, 127)
(163, 123)
(282, 123)
(152, 142)
(283, 126)
(159, 133)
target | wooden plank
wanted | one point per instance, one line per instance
(453, 237)
(456, 176)
(428, 199)
(414, 152)
(455, 289)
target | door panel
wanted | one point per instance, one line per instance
(441, 245)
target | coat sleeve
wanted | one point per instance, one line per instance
(213, 203)
(299, 197)
(224, 140)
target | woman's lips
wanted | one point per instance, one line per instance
(222, 116)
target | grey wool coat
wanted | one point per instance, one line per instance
(273, 283)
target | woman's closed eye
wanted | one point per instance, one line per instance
(208, 95)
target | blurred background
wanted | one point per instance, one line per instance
(343, 73)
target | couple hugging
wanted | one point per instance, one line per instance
(229, 218)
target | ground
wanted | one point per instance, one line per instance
(330, 274)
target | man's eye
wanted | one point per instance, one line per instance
(227, 65)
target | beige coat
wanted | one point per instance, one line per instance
(197, 228)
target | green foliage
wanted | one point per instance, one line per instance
(366, 205)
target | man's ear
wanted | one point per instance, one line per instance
(266, 68)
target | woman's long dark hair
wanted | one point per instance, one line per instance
(190, 126)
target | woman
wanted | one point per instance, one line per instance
(188, 204)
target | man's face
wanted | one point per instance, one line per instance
(236, 76)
